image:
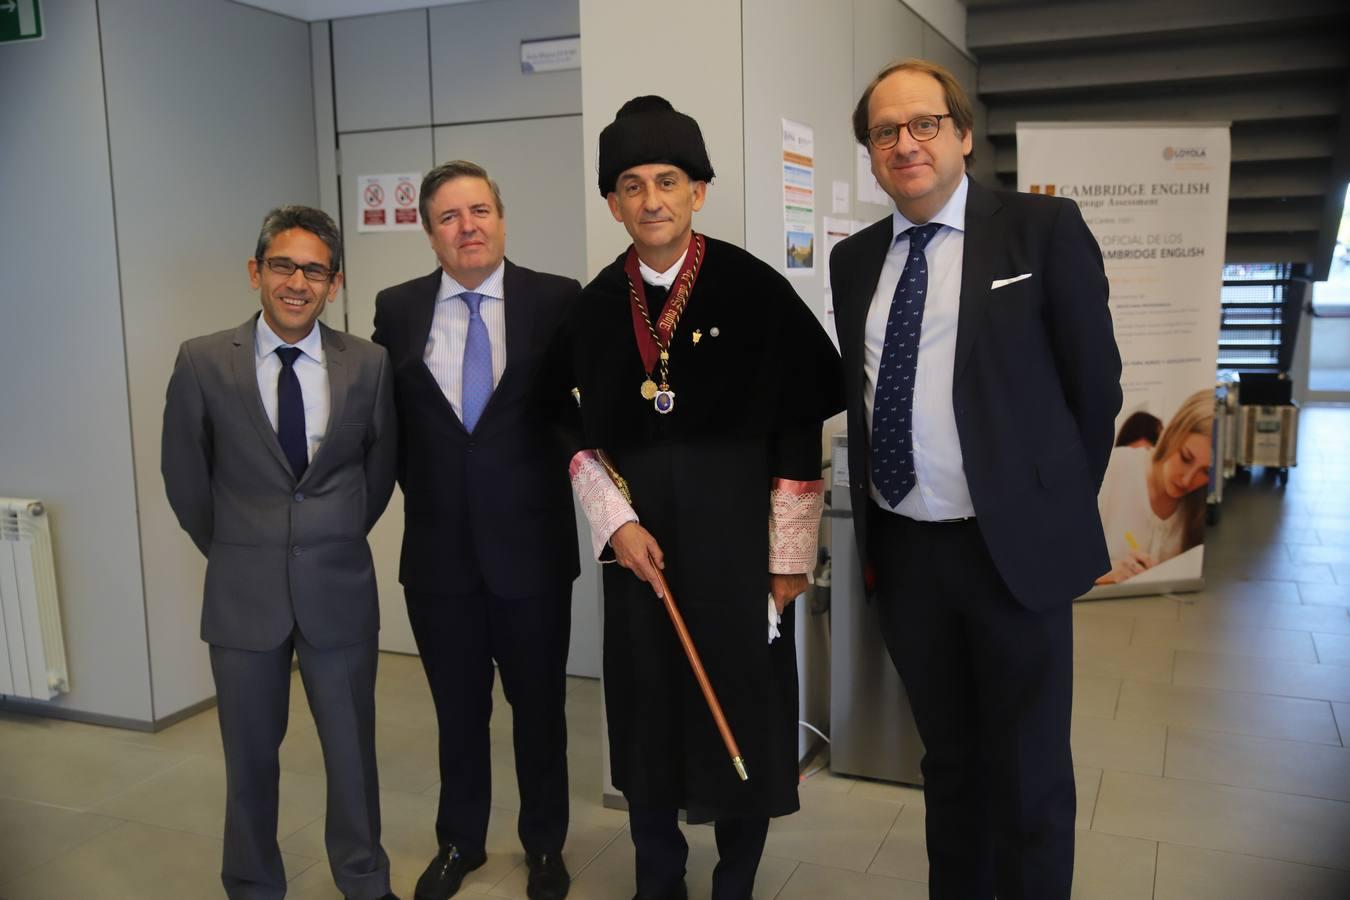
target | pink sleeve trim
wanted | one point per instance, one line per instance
(600, 499)
(795, 508)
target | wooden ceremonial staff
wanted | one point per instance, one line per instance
(690, 651)
(700, 675)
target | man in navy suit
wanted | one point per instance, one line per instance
(489, 540)
(982, 378)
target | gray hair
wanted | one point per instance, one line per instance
(456, 168)
(307, 218)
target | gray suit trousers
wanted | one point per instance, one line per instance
(253, 689)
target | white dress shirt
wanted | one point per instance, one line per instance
(444, 353)
(311, 368)
(940, 490)
(661, 279)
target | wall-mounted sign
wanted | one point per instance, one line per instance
(387, 202)
(556, 54)
(20, 20)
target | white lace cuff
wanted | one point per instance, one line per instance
(794, 525)
(600, 499)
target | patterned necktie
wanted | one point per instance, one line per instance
(477, 372)
(893, 402)
(291, 413)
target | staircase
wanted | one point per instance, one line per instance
(1279, 71)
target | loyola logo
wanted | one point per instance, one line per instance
(1171, 153)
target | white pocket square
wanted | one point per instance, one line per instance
(1004, 282)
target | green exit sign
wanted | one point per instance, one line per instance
(20, 20)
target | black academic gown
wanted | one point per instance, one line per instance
(751, 396)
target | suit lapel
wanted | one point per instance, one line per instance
(244, 361)
(423, 310)
(874, 243)
(977, 264)
(339, 384)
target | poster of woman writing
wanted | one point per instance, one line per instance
(1152, 500)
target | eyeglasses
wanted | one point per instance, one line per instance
(921, 128)
(286, 268)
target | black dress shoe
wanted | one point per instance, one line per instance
(548, 876)
(446, 872)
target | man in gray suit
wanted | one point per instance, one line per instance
(278, 457)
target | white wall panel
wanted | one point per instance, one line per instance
(67, 433)
(381, 71)
(475, 61)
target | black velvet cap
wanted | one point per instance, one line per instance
(649, 130)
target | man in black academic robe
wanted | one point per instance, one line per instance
(705, 380)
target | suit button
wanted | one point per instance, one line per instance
(296, 551)
(299, 496)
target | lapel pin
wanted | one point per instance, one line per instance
(714, 331)
(697, 336)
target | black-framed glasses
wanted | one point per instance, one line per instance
(285, 267)
(921, 128)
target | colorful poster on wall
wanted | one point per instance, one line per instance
(1156, 198)
(799, 198)
(388, 202)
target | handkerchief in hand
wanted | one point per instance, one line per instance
(774, 620)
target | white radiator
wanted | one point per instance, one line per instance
(32, 652)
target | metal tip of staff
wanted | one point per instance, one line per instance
(739, 763)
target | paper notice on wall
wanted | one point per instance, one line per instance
(835, 231)
(839, 192)
(388, 202)
(868, 189)
(799, 198)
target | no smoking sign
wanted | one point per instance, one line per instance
(388, 202)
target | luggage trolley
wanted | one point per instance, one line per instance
(1266, 432)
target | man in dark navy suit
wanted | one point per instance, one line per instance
(983, 381)
(489, 541)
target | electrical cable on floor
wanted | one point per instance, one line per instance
(815, 729)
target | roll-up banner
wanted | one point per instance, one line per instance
(1155, 195)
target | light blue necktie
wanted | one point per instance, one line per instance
(477, 374)
(893, 402)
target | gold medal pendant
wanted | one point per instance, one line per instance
(648, 389)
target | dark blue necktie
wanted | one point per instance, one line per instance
(477, 371)
(291, 413)
(893, 402)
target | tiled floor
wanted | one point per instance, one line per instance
(1210, 735)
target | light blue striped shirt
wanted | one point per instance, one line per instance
(444, 353)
